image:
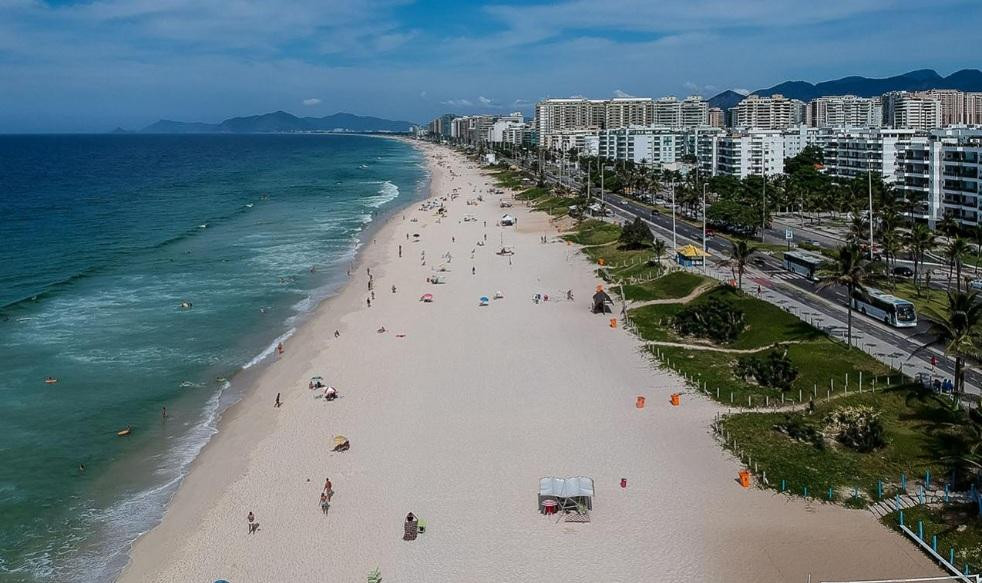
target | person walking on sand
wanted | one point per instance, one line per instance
(328, 489)
(277, 403)
(279, 348)
(337, 333)
(253, 525)
(369, 302)
(393, 289)
(473, 271)
(400, 250)
(325, 503)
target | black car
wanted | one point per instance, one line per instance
(902, 271)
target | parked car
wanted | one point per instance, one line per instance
(758, 261)
(975, 284)
(903, 271)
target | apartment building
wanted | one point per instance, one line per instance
(850, 153)
(715, 117)
(844, 111)
(693, 111)
(961, 180)
(628, 111)
(554, 116)
(741, 153)
(471, 130)
(642, 145)
(917, 111)
(767, 113)
(497, 130)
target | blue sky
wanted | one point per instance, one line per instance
(97, 64)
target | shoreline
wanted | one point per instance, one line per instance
(495, 397)
(246, 379)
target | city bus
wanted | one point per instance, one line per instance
(888, 309)
(803, 263)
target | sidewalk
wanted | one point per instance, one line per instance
(876, 339)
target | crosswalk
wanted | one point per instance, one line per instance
(783, 275)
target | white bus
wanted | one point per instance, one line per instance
(803, 263)
(885, 307)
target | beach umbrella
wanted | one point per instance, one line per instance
(426, 298)
(484, 300)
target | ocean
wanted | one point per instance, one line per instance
(102, 239)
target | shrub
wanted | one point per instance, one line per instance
(795, 427)
(636, 234)
(775, 371)
(716, 320)
(857, 427)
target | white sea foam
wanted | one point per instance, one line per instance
(131, 517)
(269, 349)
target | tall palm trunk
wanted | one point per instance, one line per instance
(959, 376)
(958, 274)
(849, 316)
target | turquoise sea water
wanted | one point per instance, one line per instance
(101, 240)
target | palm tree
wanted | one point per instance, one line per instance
(921, 240)
(658, 248)
(849, 270)
(959, 330)
(977, 237)
(955, 253)
(740, 253)
(948, 225)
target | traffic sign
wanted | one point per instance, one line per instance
(788, 234)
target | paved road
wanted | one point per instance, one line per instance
(893, 346)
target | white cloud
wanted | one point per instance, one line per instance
(458, 102)
(484, 100)
(311, 101)
(741, 91)
(619, 93)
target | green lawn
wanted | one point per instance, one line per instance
(921, 429)
(957, 526)
(594, 232)
(821, 362)
(508, 179)
(674, 285)
(533, 193)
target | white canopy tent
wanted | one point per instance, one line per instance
(569, 492)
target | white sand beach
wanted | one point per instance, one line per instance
(458, 419)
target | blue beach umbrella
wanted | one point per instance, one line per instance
(484, 300)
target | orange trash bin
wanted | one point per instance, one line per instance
(745, 478)
(676, 399)
(613, 322)
(640, 402)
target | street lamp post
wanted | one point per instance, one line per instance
(869, 174)
(763, 208)
(674, 238)
(704, 185)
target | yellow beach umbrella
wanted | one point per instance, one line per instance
(340, 440)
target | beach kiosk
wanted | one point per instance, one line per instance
(690, 256)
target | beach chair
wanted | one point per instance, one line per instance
(422, 526)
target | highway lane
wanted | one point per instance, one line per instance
(905, 341)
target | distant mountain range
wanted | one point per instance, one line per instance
(965, 80)
(281, 122)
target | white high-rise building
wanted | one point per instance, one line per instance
(642, 145)
(742, 153)
(496, 133)
(622, 112)
(903, 110)
(844, 111)
(767, 113)
(850, 153)
(554, 116)
(693, 111)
